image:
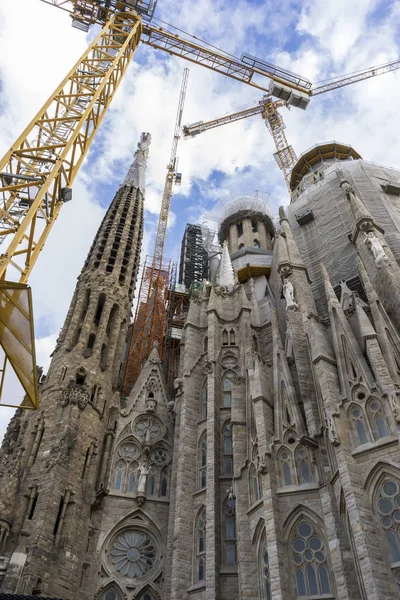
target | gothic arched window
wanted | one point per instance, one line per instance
(227, 384)
(310, 563)
(229, 540)
(264, 570)
(203, 461)
(256, 243)
(201, 545)
(232, 337)
(377, 419)
(111, 594)
(303, 465)
(285, 461)
(151, 482)
(132, 477)
(225, 340)
(360, 428)
(204, 398)
(388, 509)
(164, 479)
(120, 472)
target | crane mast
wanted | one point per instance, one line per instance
(151, 309)
(37, 173)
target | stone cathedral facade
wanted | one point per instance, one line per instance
(273, 472)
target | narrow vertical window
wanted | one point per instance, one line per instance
(228, 449)
(232, 337)
(164, 482)
(225, 340)
(303, 465)
(227, 389)
(359, 425)
(230, 533)
(256, 244)
(204, 398)
(203, 462)
(201, 545)
(377, 420)
(120, 474)
(285, 460)
(205, 344)
(254, 484)
(239, 228)
(131, 477)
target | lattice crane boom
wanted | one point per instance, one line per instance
(268, 109)
(170, 177)
(37, 173)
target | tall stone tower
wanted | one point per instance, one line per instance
(274, 471)
(53, 463)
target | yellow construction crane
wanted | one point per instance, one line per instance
(285, 156)
(37, 173)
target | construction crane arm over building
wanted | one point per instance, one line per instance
(37, 172)
(285, 156)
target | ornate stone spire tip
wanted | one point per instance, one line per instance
(137, 171)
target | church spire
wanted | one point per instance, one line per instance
(226, 273)
(136, 174)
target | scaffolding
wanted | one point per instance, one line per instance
(193, 265)
(178, 306)
(150, 318)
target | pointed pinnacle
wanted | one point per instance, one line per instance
(369, 289)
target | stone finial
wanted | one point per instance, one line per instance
(137, 170)
(329, 291)
(226, 273)
(366, 328)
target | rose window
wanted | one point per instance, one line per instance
(129, 451)
(148, 429)
(133, 554)
(160, 456)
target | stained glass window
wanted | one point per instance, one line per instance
(310, 562)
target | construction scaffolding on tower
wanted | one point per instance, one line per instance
(193, 265)
(178, 306)
(148, 327)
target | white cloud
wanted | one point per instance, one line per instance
(332, 37)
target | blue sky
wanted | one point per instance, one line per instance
(317, 38)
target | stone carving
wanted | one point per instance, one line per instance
(75, 393)
(395, 405)
(288, 292)
(376, 247)
(332, 431)
(151, 404)
(143, 471)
